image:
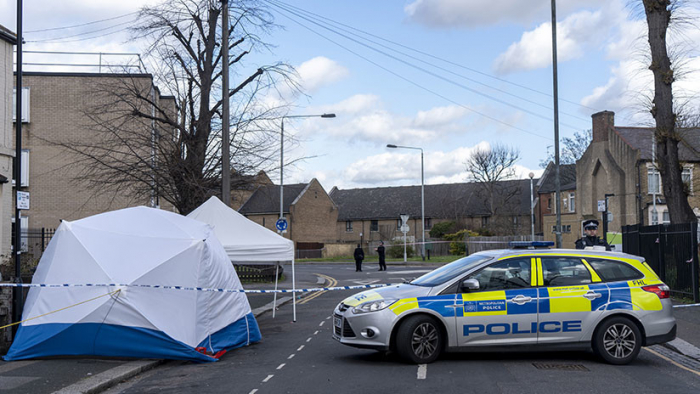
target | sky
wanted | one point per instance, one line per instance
(447, 76)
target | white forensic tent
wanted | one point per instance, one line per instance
(243, 239)
(131, 251)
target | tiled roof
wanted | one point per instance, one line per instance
(567, 178)
(641, 138)
(266, 199)
(441, 201)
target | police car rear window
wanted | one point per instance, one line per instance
(614, 271)
(450, 271)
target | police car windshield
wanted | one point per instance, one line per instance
(450, 271)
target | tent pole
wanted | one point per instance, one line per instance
(274, 300)
(294, 292)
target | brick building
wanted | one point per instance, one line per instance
(56, 108)
(311, 214)
(619, 161)
(546, 209)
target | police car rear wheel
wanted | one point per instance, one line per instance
(419, 340)
(618, 341)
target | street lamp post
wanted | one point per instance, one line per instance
(294, 288)
(422, 194)
(532, 208)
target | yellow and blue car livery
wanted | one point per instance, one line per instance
(544, 297)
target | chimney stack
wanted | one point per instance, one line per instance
(603, 124)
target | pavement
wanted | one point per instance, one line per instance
(94, 374)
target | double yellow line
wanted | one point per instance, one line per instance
(332, 283)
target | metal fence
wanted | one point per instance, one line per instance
(671, 250)
(257, 273)
(34, 241)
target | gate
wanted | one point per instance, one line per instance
(671, 250)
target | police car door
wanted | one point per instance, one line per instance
(571, 299)
(504, 308)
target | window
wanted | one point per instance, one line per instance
(428, 224)
(614, 271)
(398, 224)
(450, 271)
(564, 271)
(484, 221)
(504, 275)
(566, 228)
(667, 217)
(25, 168)
(572, 202)
(25, 105)
(549, 203)
(348, 226)
(687, 178)
(374, 225)
(554, 229)
(654, 181)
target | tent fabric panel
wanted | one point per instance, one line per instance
(95, 339)
(239, 333)
(50, 301)
(237, 233)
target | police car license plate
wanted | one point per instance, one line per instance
(337, 321)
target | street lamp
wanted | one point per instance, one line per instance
(294, 288)
(532, 207)
(422, 194)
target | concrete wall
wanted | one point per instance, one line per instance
(338, 250)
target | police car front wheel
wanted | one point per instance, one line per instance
(617, 341)
(419, 339)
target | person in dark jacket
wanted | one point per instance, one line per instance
(382, 256)
(359, 256)
(590, 229)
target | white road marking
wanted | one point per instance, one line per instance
(253, 391)
(267, 378)
(316, 333)
(422, 371)
(290, 356)
(365, 281)
(308, 340)
(321, 324)
(328, 317)
(300, 347)
(281, 366)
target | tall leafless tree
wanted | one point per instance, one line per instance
(488, 167)
(141, 143)
(659, 15)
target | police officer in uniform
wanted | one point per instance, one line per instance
(590, 229)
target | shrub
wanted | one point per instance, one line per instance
(457, 246)
(440, 229)
(396, 251)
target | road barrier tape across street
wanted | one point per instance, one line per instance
(314, 289)
(64, 285)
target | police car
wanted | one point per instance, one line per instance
(613, 303)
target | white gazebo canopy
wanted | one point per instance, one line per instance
(243, 239)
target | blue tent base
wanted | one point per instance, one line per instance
(96, 339)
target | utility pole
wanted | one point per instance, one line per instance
(18, 294)
(557, 180)
(225, 138)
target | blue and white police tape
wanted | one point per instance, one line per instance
(167, 287)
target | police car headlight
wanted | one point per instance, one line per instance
(372, 306)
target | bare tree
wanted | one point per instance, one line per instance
(140, 142)
(659, 15)
(489, 166)
(573, 148)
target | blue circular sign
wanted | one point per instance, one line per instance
(281, 224)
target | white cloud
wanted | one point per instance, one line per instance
(318, 72)
(397, 167)
(470, 14)
(575, 34)
(363, 118)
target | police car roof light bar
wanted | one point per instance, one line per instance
(530, 244)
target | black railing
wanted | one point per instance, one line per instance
(671, 250)
(257, 273)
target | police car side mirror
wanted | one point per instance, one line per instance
(470, 284)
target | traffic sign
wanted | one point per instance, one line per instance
(405, 228)
(22, 200)
(404, 219)
(601, 205)
(281, 224)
